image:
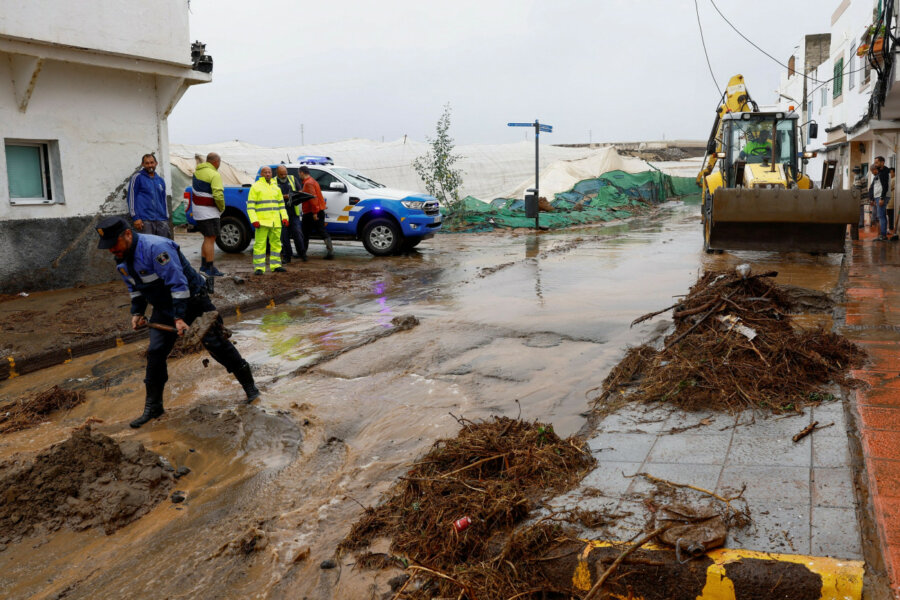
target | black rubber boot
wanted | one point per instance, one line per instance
(245, 377)
(330, 249)
(153, 406)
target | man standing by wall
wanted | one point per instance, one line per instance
(881, 186)
(147, 200)
(157, 274)
(314, 212)
(208, 204)
(288, 185)
(265, 209)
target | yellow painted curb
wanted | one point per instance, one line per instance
(841, 579)
(12, 367)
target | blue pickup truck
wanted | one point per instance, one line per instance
(387, 221)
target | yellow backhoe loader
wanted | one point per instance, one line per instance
(755, 196)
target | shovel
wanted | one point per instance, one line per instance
(196, 332)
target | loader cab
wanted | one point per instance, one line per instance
(760, 148)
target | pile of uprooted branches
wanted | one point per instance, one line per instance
(734, 347)
(26, 412)
(495, 473)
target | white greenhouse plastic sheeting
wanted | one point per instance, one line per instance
(562, 175)
(489, 170)
(230, 175)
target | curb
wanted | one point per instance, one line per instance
(12, 366)
(722, 574)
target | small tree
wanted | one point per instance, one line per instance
(435, 168)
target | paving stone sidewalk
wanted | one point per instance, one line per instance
(800, 494)
(873, 321)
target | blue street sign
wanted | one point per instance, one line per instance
(520, 124)
(547, 128)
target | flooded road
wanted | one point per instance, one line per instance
(510, 323)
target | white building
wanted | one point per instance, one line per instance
(863, 125)
(85, 90)
(857, 108)
(803, 87)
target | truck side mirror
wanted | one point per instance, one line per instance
(337, 186)
(711, 147)
(813, 131)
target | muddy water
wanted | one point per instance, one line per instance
(510, 324)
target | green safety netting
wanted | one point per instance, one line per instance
(179, 182)
(178, 216)
(605, 198)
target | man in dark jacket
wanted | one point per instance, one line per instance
(879, 192)
(157, 274)
(289, 185)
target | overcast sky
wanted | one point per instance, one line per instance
(622, 70)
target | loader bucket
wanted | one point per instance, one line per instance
(780, 220)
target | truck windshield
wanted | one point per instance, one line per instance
(360, 181)
(751, 140)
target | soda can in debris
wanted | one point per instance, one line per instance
(462, 524)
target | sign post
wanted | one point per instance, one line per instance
(538, 128)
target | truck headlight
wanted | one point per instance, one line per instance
(413, 204)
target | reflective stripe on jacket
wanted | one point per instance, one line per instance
(264, 203)
(156, 272)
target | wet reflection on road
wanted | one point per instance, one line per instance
(510, 323)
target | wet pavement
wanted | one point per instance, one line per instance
(873, 322)
(511, 324)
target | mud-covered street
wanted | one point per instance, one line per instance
(512, 324)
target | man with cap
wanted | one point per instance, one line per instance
(157, 274)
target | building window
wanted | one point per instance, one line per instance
(851, 72)
(30, 172)
(838, 81)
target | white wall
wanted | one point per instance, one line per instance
(845, 38)
(821, 113)
(104, 121)
(156, 29)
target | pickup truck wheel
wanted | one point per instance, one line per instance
(381, 237)
(234, 235)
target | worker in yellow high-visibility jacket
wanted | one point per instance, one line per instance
(265, 208)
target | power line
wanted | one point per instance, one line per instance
(748, 40)
(705, 52)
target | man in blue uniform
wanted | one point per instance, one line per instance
(158, 274)
(147, 200)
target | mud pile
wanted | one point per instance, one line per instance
(735, 347)
(27, 412)
(87, 481)
(454, 515)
